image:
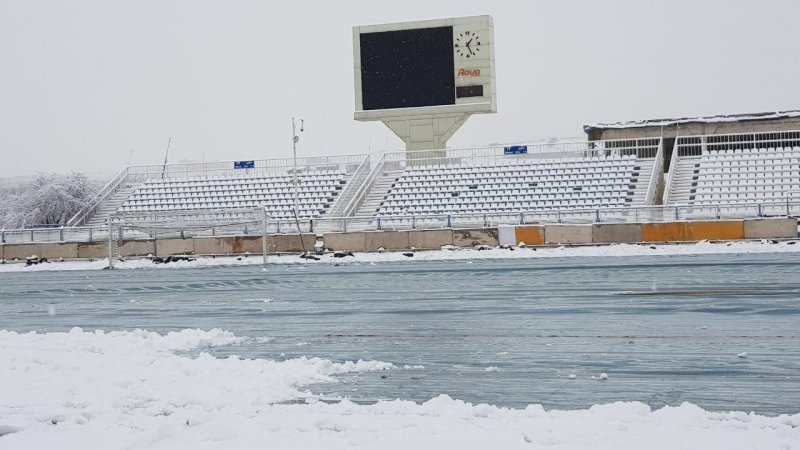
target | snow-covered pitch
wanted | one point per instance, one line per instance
(96, 390)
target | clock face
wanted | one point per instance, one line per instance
(467, 44)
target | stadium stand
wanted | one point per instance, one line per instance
(515, 185)
(735, 169)
(317, 191)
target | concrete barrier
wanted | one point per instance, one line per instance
(142, 247)
(529, 234)
(568, 234)
(770, 228)
(430, 239)
(345, 242)
(507, 235)
(475, 237)
(93, 251)
(286, 243)
(20, 251)
(228, 245)
(389, 240)
(616, 233)
(167, 247)
(664, 232)
(715, 230)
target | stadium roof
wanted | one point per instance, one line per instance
(707, 119)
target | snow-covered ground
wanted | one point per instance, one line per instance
(136, 390)
(615, 250)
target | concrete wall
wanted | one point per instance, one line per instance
(430, 239)
(770, 228)
(345, 242)
(568, 234)
(507, 235)
(781, 228)
(475, 237)
(616, 233)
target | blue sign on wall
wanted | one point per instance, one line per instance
(516, 150)
(244, 164)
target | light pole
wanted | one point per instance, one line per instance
(295, 140)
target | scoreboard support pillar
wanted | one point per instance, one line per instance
(431, 133)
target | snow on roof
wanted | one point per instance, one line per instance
(707, 119)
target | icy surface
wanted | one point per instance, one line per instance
(95, 390)
(615, 250)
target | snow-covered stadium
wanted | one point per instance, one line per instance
(634, 289)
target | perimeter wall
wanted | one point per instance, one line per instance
(370, 241)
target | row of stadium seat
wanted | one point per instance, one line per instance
(747, 175)
(534, 184)
(316, 192)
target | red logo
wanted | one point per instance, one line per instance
(469, 72)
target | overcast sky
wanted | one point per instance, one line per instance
(90, 85)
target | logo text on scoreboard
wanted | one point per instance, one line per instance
(469, 72)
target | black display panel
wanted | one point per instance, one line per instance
(407, 69)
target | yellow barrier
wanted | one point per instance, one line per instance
(664, 232)
(715, 231)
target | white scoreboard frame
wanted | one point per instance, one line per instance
(478, 69)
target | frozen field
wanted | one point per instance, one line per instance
(716, 330)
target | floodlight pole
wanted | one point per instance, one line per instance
(295, 140)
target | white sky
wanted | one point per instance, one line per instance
(86, 84)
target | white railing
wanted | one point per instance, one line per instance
(246, 221)
(655, 175)
(673, 164)
(364, 188)
(268, 167)
(110, 188)
(493, 155)
(702, 144)
(345, 197)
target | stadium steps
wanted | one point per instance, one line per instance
(639, 191)
(378, 192)
(684, 180)
(109, 206)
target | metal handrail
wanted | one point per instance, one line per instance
(655, 174)
(97, 199)
(352, 185)
(363, 189)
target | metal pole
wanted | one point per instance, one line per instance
(295, 140)
(110, 244)
(264, 248)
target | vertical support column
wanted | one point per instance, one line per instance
(110, 244)
(264, 248)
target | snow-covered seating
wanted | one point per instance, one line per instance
(521, 185)
(317, 190)
(749, 175)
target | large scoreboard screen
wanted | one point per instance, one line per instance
(418, 69)
(407, 68)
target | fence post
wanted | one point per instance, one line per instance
(760, 211)
(558, 216)
(413, 222)
(311, 225)
(278, 226)
(636, 215)
(522, 218)
(597, 216)
(677, 213)
(61, 234)
(183, 236)
(32, 236)
(485, 221)
(719, 214)
(344, 224)
(91, 231)
(264, 248)
(378, 223)
(449, 222)
(110, 244)
(3, 233)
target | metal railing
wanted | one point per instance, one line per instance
(700, 145)
(240, 222)
(363, 189)
(340, 206)
(109, 189)
(655, 175)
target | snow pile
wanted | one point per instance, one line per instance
(447, 254)
(130, 390)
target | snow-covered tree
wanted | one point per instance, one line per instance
(50, 199)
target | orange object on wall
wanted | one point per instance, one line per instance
(530, 235)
